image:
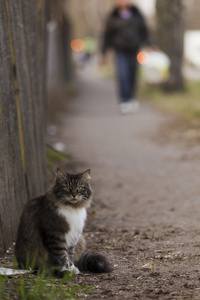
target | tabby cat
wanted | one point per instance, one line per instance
(50, 229)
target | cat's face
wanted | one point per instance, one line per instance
(73, 189)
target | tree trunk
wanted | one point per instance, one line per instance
(22, 111)
(170, 34)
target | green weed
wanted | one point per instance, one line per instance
(2, 287)
(40, 287)
(54, 156)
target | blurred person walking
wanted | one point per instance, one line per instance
(125, 33)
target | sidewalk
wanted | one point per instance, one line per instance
(146, 196)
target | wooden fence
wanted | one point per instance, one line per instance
(22, 110)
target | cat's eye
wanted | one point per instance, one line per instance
(67, 188)
(79, 188)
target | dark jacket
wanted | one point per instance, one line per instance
(125, 35)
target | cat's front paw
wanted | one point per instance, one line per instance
(74, 269)
(69, 269)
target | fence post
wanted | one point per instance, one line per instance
(22, 110)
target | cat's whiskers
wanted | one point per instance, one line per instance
(96, 206)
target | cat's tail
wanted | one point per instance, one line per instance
(90, 261)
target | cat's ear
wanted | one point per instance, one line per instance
(85, 176)
(60, 173)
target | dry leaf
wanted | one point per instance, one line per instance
(150, 266)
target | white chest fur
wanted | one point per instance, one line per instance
(76, 220)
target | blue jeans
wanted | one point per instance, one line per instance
(127, 73)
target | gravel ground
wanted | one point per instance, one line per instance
(146, 214)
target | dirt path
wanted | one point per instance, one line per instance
(147, 197)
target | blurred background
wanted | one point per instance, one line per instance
(74, 36)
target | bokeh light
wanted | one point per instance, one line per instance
(143, 57)
(91, 44)
(77, 45)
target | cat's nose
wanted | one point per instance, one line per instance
(74, 193)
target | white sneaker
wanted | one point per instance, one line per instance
(125, 108)
(130, 107)
(135, 106)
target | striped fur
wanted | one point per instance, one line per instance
(51, 226)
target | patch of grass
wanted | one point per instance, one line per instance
(185, 104)
(2, 287)
(40, 287)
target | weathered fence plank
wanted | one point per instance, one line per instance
(9, 124)
(22, 105)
